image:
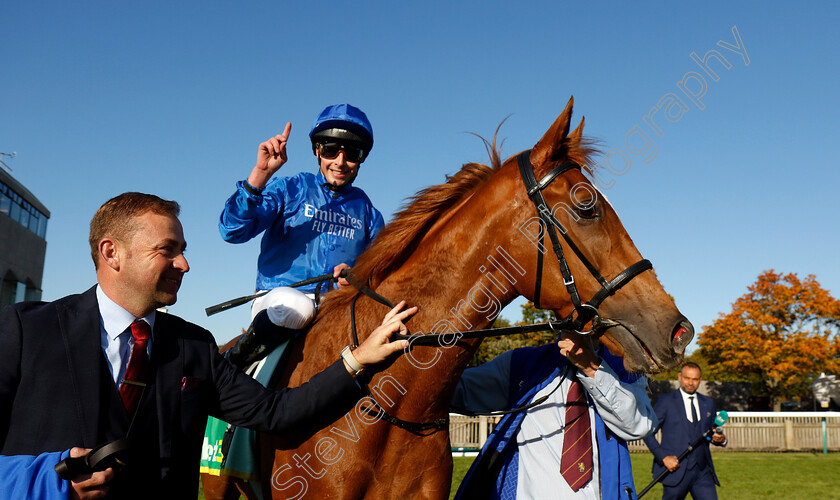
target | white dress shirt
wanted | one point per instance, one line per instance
(687, 403)
(625, 409)
(115, 335)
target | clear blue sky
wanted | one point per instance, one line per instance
(172, 98)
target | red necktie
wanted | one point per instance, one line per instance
(138, 367)
(576, 461)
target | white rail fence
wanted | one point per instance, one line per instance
(745, 431)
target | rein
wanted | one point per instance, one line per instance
(380, 412)
(586, 311)
(528, 406)
(433, 340)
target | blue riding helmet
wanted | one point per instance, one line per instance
(345, 123)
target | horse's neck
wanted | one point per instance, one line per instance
(462, 273)
(459, 284)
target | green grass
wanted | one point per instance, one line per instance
(743, 476)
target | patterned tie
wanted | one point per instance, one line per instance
(576, 461)
(137, 371)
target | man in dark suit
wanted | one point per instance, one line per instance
(66, 367)
(684, 415)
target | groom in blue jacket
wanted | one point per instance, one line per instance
(532, 453)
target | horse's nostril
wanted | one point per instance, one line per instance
(682, 335)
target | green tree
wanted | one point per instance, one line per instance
(532, 315)
(779, 336)
(493, 346)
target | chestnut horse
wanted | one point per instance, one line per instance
(462, 251)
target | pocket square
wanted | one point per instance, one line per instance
(188, 383)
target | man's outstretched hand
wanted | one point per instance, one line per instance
(378, 346)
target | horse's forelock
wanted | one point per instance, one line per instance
(577, 148)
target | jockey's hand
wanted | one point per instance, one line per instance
(271, 155)
(378, 346)
(90, 486)
(336, 271)
(580, 351)
(671, 463)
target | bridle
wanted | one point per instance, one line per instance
(585, 311)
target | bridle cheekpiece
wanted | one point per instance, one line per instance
(584, 312)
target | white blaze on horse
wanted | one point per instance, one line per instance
(461, 251)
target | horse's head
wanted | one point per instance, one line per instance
(633, 315)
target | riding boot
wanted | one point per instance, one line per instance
(258, 341)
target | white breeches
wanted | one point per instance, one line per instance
(286, 307)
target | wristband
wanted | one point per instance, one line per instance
(251, 189)
(352, 362)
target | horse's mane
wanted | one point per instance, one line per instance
(399, 238)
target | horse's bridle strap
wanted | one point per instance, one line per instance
(619, 281)
(537, 186)
(585, 311)
(534, 188)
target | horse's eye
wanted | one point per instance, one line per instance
(588, 210)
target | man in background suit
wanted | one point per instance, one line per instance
(63, 363)
(684, 415)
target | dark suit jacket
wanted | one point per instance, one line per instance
(677, 435)
(55, 394)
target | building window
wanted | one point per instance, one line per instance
(21, 211)
(13, 291)
(8, 292)
(5, 203)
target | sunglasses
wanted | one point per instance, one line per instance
(330, 150)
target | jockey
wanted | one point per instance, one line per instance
(311, 224)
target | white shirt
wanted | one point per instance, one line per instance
(115, 335)
(687, 403)
(625, 409)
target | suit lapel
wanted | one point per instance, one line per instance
(78, 320)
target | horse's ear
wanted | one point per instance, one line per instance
(550, 148)
(578, 132)
(574, 139)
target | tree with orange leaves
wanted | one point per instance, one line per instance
(779, 336)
